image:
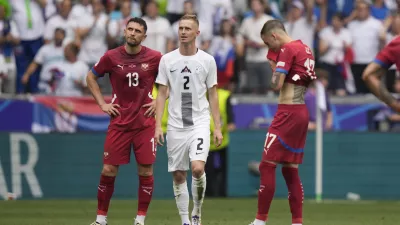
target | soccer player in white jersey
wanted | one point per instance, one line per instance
(189, 73)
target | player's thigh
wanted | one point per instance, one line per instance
(199, 144)
(144, 147)
(177, 151)
(117, 147)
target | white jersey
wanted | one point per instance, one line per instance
(188, 78)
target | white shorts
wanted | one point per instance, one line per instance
(185, 146)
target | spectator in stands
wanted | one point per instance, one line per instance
(92, 34)
(9, 37)
(174, 10)
(61, 20)
(202, 41)
(211, 13)
(310, 99)
(258, 70)
(79, 10)
(379, 10)
(366, 36)
(223, 48)
(72, 81)
(334, 40)
(48, 56)
(30, 21)
(158, 29)
(118, 24)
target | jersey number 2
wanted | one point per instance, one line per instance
(199, 148)
(133, 79)
(185, 87)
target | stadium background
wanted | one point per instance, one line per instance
(51, 142)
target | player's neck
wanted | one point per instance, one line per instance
(132, 50)
(188, 49)
(286, 39)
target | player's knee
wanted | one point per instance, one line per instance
(290, 165)
(197, 171)
(110, 170)
(145, 170)
(265, 166)
(179, 177)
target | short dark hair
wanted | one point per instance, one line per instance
(74, 47)
(339, 15)
(191, 17)
(272, 24)
(59, 29)
(139, 21)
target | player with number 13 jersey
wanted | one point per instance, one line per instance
(132, 69)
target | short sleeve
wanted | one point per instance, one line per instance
(285, 60)
(157, 60)
(212, 74)
(80, 75)
(384, 58)
(49, 30)
(39, 57)
(162, 77)
(103, 66)
(272, 55)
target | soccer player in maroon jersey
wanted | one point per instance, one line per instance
(372, 74)
(287, 133)
(132, 69)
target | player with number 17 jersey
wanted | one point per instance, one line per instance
(287, 134)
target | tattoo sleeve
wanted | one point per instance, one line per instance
(378, 87)
(384, 93)
(276, 79)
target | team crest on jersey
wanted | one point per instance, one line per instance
(145, 66)
(186, 70)
(198, 69)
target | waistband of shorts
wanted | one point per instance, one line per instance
(291, 106)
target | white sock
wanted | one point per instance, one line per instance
(258, 222)
(296, 224)
(198, 192)
(101, 219)
(182, 201)
(140, 218)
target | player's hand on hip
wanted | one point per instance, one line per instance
(111, 109)
(159, 136)
(217, 137)
(151, 108)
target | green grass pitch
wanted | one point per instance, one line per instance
(215, 212)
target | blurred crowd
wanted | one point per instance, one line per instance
(48, 46)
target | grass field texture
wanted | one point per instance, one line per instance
(215, 212)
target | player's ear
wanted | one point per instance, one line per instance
(197, 33)
(144, 37)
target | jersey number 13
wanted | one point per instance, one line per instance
(133, 79)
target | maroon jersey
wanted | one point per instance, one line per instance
(296, 60)
(390, 54)
(132, 78)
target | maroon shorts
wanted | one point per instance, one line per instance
(287, 134)
(118, 145)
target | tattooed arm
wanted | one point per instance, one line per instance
(277, 80)
(372, 77)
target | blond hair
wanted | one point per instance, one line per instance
(191, 17)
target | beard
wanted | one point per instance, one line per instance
(133, 44)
